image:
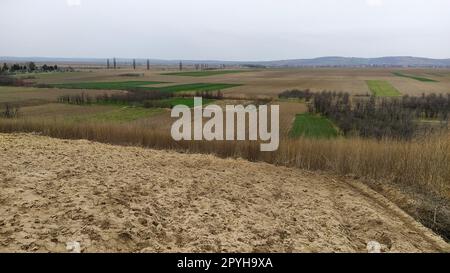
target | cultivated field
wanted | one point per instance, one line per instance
(315, 126)
(127, 199)
(272, 81)
(382, 89)
(36, 96)
(108, 106)
(234, 83)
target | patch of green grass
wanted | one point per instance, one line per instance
(105, 85)
(205, 73)
(120, 115)
(382, 89)
(417, 78)
(313, 126)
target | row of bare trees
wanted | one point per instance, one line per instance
(114, 64)
(430, 106)
(27, 67)
(133, 97)
(128, 98)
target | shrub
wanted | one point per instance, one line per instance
(10, 111)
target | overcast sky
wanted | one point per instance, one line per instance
(224, 29)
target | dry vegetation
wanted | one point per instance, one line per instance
(128, 199)
(422, 164)
(24, 96)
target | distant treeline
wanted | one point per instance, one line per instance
(374, 117)
(10, 81)
(30, 67)
(296, 94)
(130, 97)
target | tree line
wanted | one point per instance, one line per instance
(28, 67)
(132, 97)
(129, 98)
(374, 117)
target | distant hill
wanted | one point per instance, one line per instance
(333, 61)
(360, 62)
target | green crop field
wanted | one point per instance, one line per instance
(120, 115)
(197, 87)
(313, 126)
(417, 78)
(140, 85)
(105, 85)
(382, 89)
(205, 73)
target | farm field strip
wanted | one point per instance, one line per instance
(33, 96)
(382, 88)
(268, 82)
(196, 87)
(105, 85)
(124, 114)
(313, 126)
(141, 85)
(205, 73)
(417, 78)
(88, 113)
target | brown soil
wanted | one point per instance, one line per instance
(122, 199)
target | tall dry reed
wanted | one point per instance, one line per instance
(424, 163)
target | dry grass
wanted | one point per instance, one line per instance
(34, 96)
(423, 163)
(63, 111)
(129, 199)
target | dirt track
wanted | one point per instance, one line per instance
(117, 199)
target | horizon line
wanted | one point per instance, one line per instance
(222, 60)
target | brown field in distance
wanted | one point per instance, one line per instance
(271, 82)
(421, 165)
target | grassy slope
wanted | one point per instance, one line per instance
(382, 88)
(313, 126)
